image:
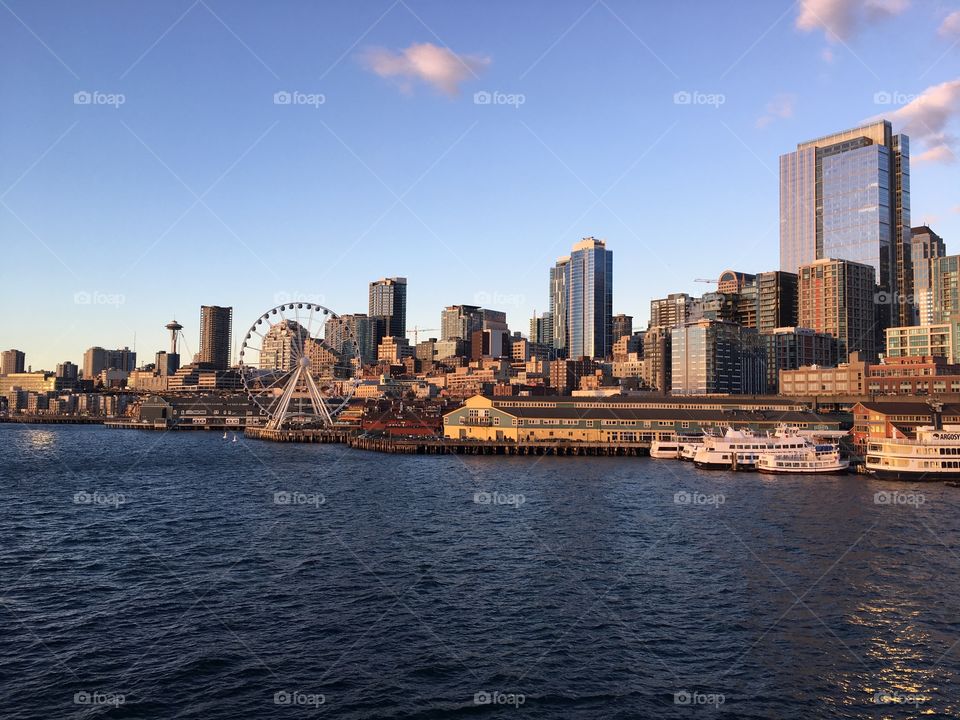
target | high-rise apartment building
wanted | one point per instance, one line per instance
(12, 361)
(460, 321)
(847, 196)
(559, 297)
(837, 298)
(925, 246)
(388, 307)
(338, 331)
(97, 359)
(541, 330)
(710, 356)
(216, 336)
(675, 309)
(657, 360)
(622, 325)
(789, 348)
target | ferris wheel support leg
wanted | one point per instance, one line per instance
(284, 404)
(320, 407)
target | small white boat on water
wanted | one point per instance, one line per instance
(815, 460)
(665, 449)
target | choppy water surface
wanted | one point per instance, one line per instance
(175, 575)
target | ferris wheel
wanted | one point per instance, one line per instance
(300, 364)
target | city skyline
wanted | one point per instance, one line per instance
(192, 165)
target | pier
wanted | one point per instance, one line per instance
(446, 446)
(299, 435)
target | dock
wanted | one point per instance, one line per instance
(447, 446)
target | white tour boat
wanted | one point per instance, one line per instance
(675, 448)
(740, 449)
(933, 455)
(813, 460)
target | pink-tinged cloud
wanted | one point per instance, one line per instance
(841, 19)
(780, 107)
(439, 67)
(950, 27)
(929, 117)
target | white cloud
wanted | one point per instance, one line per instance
(928, 119)
(950, 27)
(841, 19)
(780, 107)
(436, 66)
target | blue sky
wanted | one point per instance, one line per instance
(200, 188)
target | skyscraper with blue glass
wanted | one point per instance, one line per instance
(847, 196)
(582, 300)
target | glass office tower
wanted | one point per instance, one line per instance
(590, 300)
(559, 282)
(847, 196)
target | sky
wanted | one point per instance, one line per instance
(158, 156)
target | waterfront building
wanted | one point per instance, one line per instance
(925, 247)
(713, 356)
(388, 307)
(12, 361)
(216, 336)
(886, 419)
(613, 419)
(837, 297)
(847, 196)
(923, 340)
(846, 379)
(97, 359)
(790, 348)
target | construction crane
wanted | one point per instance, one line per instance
(417, 330)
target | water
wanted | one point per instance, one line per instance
(153, 575)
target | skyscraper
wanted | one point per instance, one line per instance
(559, 284)
(388, 307)
(590, 300)
(837, 298)
(925, 246)
(460, 321)
(12, 361)
(847, 196)
(216, 335)
(715, 356)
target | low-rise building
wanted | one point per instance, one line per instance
(611, 419)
